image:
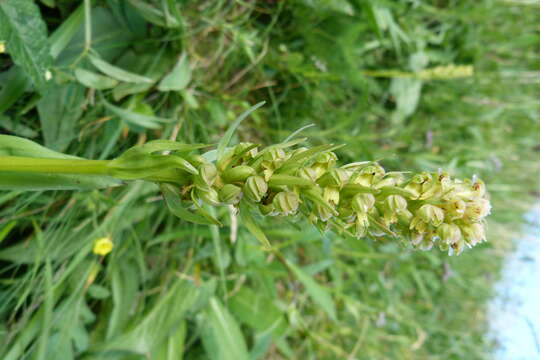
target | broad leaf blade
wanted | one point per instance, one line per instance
(178, 78)
(25, 33)
(59, 110)
(221, 335)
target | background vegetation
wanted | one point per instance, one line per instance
(125, 72)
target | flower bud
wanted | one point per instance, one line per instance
(456, 248)
(361, 225)
(393, 206)
(473, 233)
(286, 202)
(209, 196)
(274, 154)
(208, 174)
(323, 213)
(334, 177)
(230, 194)
(419, 184)
(479, 188)
(422, 240)
(368, 175)
(240, 148)
(308, 173)
(455, 209)
(477, 209)
(449, 233)
(405, 217)
(390, 179)
(326, 159)
(431, 214)
(331, 195)
(238, 173)
(255, 188)
(396, 203)
(324, 162)
(363, 202)
(418, 224)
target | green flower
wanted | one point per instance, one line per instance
(255, 188)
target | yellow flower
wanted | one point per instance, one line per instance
(2, 47)
(103, 246)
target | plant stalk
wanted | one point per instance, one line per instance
(53, 166)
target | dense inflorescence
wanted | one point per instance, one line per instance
(358, 199)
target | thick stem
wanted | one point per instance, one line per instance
(53, 166)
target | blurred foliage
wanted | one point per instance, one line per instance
(116, 73)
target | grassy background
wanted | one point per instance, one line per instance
(171, 289)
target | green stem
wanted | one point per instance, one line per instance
(53, 166)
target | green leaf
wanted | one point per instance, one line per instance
(116, 72)
(168, 145)
(17, 127)
(93, 80)
(178, 78)
(59, 110)
(318, 293)
(16, 146)
(61, 37)
(251, 225)
(256, 310)
(146, 121)
(221, 335)
(14, 87)
(407, 93)
(155, 15)
(163, 320)
(174, 203)
(226, 139)
(25, 33)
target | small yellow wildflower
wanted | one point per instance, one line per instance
(103, 246)
(2, 47)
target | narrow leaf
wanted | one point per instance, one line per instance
(174, 203)
(226, 139)
(61, 37)
(116, 72)
(254, 229)
(95, 81)
(154, 15)
(318, 293)
(146, 121)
